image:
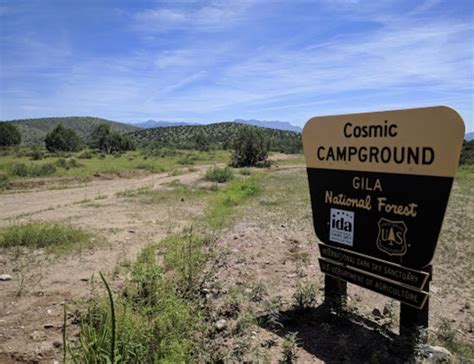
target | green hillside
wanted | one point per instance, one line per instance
(218, 136)
(33, 131)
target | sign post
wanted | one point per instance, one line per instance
(379, 185)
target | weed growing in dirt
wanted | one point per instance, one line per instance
(272, 316)
(219, 175)
(289, 348)
(54, 237)
(185, 258)
(447, 335)
(305, 295)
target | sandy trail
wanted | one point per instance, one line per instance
(25, 203)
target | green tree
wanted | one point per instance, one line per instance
(9, 135)
(103, 138)
(62, 139)
(250, 147)
(467, 153)
(202, 141)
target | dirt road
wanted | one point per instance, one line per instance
(27, 203)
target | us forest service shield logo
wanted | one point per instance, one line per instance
(391, 238)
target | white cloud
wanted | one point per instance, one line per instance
(212, 15)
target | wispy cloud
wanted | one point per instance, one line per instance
(214, 61)
(209, 16)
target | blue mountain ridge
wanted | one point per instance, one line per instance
(281, 125)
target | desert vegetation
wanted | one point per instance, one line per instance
(195, 258)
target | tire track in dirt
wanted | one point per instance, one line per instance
(25, 203)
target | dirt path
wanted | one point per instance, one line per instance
(26, 203)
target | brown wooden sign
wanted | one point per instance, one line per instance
(380, 182)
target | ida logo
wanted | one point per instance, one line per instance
(391, 238)
(342, 227)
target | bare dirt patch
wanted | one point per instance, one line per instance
(274, 246)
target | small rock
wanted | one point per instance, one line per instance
(376, 313)
(436, 354)
(84, 279)
(131, 231)
(221, 324)
(48, 326)
(57, 344)
(291, 275)
(35, 336)
(5, 277)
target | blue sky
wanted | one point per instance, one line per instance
(212, 61)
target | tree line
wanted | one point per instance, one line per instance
(62, 139)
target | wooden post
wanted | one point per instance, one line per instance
(413, 320)
(335, 292)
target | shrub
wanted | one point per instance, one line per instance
(19, 170)
(85, 155)
(36, 153)
(4, 182)
(68, 163)
(250, 147)
(9, 135)
(62, 139)
(41, 170)
(219, 175)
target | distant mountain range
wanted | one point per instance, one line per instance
(279, 125)
(469, 136)
(149, 124)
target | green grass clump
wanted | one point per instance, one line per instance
(234, 194)
(32, 170)
(219, 175)
(153, 323)
(54, 237)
